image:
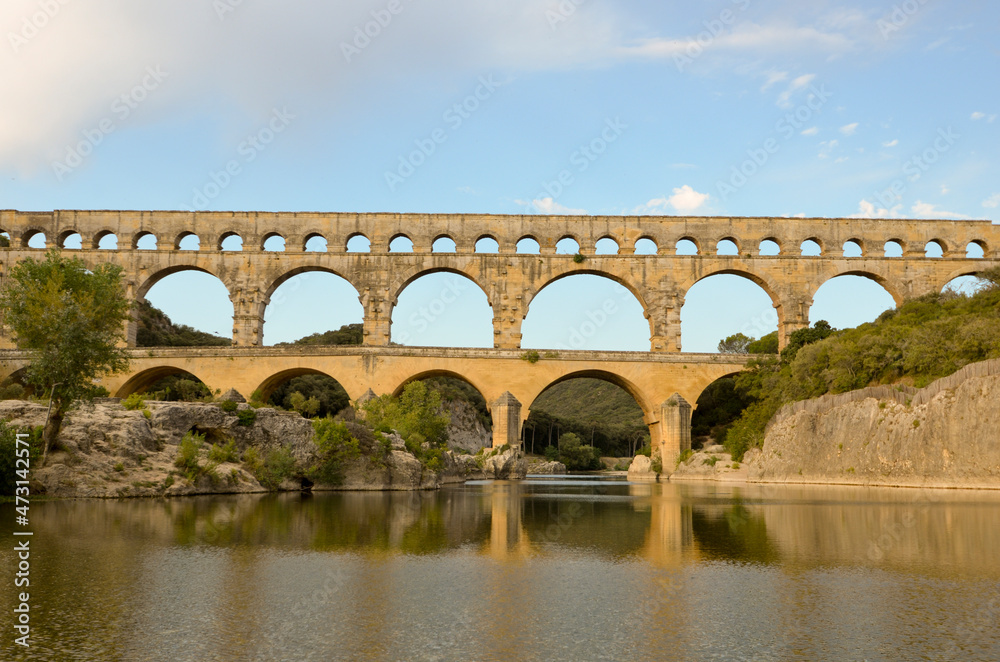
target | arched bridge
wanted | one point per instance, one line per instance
(510, 278)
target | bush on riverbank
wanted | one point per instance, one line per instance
(927, 338)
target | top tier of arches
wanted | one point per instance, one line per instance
(481, 233)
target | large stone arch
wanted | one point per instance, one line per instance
(957, 273)
(890, 286)
(443, 372)
(142, 380)
(408, 277)
(274, 282)
(143, 287)
(641, 398)
(268, 386)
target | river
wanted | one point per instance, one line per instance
(545, 569)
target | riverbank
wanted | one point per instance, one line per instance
(946, 435)
(180, 448)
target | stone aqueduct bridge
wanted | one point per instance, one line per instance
(510, 281)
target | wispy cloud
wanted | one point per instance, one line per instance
(550, 206)
(992, 202)
(784, 99)
(928, 210)
(849, 129)
(684, 200)
(891, 143)
(811, 131)
(976, 116)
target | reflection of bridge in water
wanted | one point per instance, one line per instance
(662, 381)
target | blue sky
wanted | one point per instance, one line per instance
(134, 104)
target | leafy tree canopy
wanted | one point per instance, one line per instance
(72, 321)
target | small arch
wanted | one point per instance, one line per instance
(144, 241)
(893, 248)
(315, 243)
(487, 244)
(71, 240)
(231, 242)
(4, 239)
(727, 246)
(811, 247)
(688, 246)
(34, 239)
(934, 248)
(106, 241)
(528, 246)
(273, 243)
(769, 247)
(400, 244)
(976, 250)
(567, 246)
(187, 241)
(358, 243)
(853, 248)
(330, 395)
(646, 246)
(444, 244)
(606, 246)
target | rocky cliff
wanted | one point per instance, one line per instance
(108, 451)
(945, 435)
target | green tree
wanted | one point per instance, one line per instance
(417, 415)
(72, 322)
(575, 455)
(735, 344)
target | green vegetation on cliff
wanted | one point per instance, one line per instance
(349, 334)
(927, 338)
(156, 330)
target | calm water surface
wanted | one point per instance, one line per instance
(559, 569)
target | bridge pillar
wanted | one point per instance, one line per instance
(507, 327)
(675, 430)
(665, 323)
(791, 318)
(377, 326)
(506, 414)
(248, 317)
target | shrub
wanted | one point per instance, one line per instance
(576, 456)
(418, 411)
(12, 391)
(8, 457)
(247, 417)
(551, 453)
(646, 450)
(228, 406)
(578, 258)
(271, 470)
(684, 456)
(334, 445)
(225, 453)
(531, 356)
(134, 402)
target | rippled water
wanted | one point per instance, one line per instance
(563, 569)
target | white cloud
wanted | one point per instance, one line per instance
(868, 210)
(849, 129)
(992, 202)
(550, 206)
(811, 131)
(842, 159)
(945, 190)
(928, 210)
(826, 147)
(978, 115)
(773, 77)
(891, 143)
(684, 200)
(784, 99)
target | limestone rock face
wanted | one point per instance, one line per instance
(465, 431)
(641, 469)
(952, 439)
(508, 465)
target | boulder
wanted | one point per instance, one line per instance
(547, 468)
(641, 469)
(232, 395)
(508, 465)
